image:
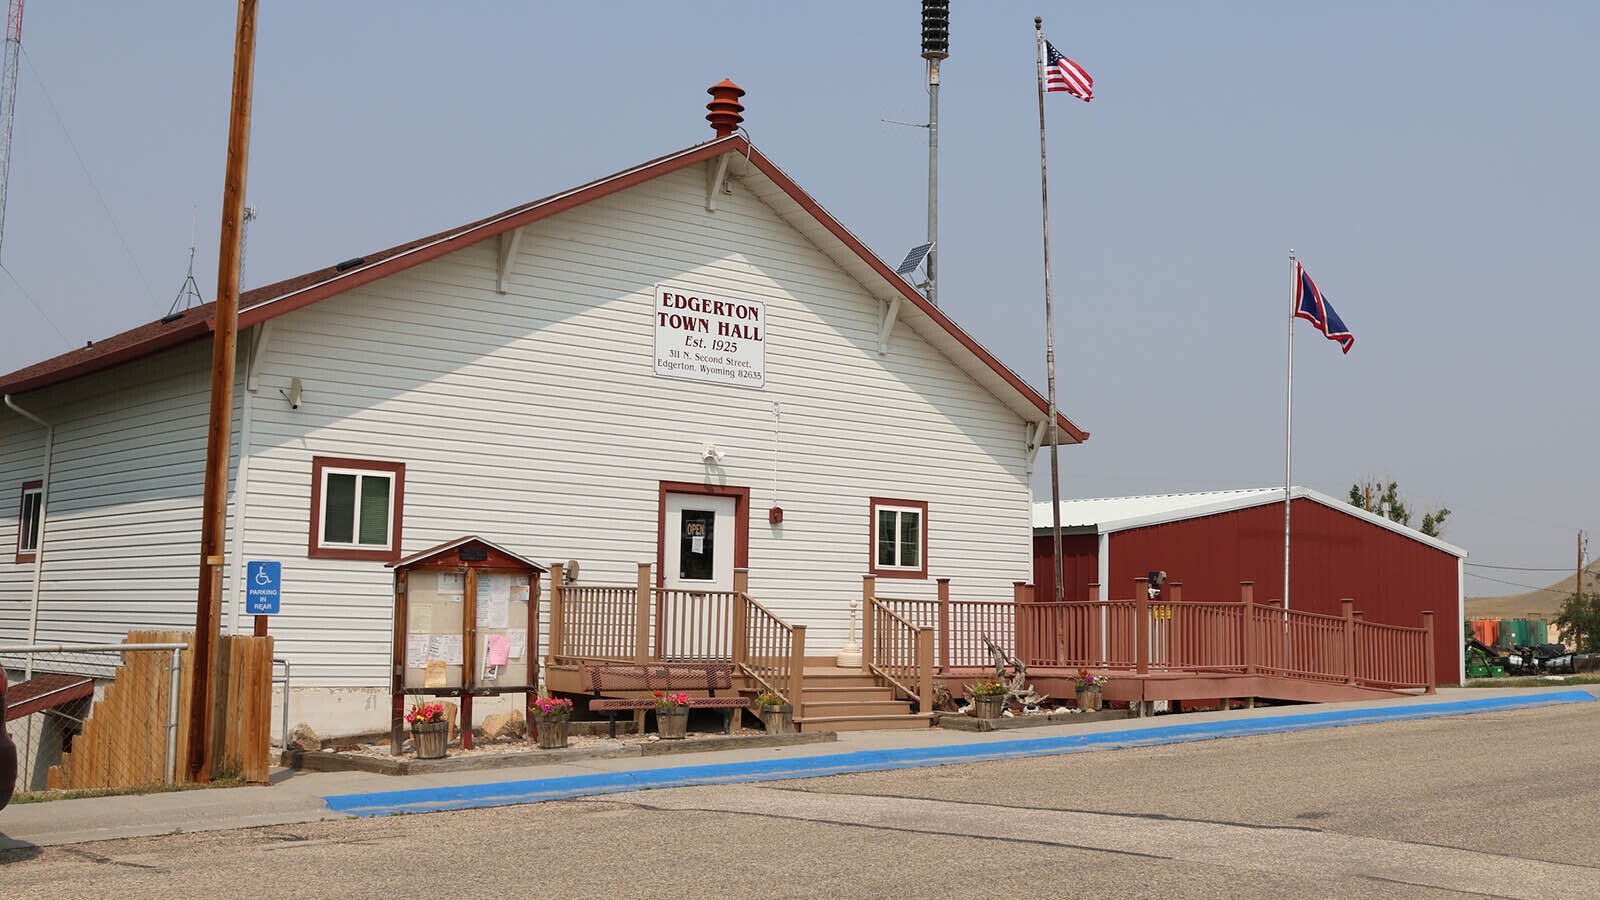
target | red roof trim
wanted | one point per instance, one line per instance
(271, 301)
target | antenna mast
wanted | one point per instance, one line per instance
(8, 101)
(189, 293)
(935, 47)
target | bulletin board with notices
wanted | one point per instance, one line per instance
(468, 627)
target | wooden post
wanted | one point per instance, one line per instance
(1097, 631)
(1247, 629)
(741, 619)
(1347, 609)
(1176, 590)
(868, 639)
(397, 698)
(925, 670)
(1427, 651)
(1141, 625)
(944, 624)
(224, 346)
(641, 615)
(797, 672)
(558, 613)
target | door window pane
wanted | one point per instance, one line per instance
(697, 545)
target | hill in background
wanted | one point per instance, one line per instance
(1543, 603)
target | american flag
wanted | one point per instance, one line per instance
(1062, 74)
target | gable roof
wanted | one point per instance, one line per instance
(774, 187)
(1105, 515)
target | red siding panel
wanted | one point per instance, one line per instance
(1080, 566)
(1391, 578)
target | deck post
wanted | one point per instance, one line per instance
(558, 612)
(868, 639)
(1141, 625)
(1427, 651)
(797, 673)
(741, 619)
(1097, 640)
(925, 670)
(1247, 602)
(944, 625)
(1347, 609)
(641, 616)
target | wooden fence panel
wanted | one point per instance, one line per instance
(124, 738)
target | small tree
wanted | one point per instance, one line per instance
(1579, 621)
(1373, 495)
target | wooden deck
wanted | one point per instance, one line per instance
(1170, 649)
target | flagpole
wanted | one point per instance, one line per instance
(1288, 431)
(1049, 324)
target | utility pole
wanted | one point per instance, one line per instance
(935, 47)
(1577, 578)
(8, 100)
(223, 347)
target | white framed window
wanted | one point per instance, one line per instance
(29, 512)
(356, 507)
(899, 538)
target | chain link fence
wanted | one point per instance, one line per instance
(133, 693)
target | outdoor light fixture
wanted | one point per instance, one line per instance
(712, 455)
(1156, 579)
(292, 394)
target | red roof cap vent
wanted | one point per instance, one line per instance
(725, 115)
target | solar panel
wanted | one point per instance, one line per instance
(914, 258)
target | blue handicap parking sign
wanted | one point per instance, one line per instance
(263, 591)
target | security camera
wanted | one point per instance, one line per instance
(292, 394)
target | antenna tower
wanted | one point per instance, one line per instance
(8, 101)
(189, 293)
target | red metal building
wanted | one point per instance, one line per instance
(1210, 542)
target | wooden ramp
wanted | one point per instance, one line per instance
(44, 692)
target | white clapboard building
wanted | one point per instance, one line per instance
(564, 378)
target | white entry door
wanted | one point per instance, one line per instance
(698, 532)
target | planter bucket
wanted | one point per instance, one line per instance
(989, 706)
(553, 732)
(779, 719)
(429, 739)
(672, 722)
(1089, 699)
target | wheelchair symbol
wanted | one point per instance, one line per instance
(262, 577)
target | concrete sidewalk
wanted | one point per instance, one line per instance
(296, 797)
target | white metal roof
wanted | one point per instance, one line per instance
(1110, 514)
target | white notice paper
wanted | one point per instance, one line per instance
(519, 642)
(421, 621)
(416, 651)
(451, 582)
(446, 647)
(494, 596)
(697, 544)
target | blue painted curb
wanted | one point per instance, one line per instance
(504, 793)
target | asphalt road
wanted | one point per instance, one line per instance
(1492, 804)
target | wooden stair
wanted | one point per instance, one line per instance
(847, 700)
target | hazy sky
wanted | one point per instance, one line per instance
(1433, 163)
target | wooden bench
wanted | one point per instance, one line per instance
(667, 677)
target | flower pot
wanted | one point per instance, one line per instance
(1089, 698)
(672, 722)
(779, 719)
(989, 706)
(428, 738)
(553, 731)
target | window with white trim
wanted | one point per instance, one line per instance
(28, 515)
(356, 508)
(899, 538)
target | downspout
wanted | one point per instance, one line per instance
(44, 518)
(241, 479)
